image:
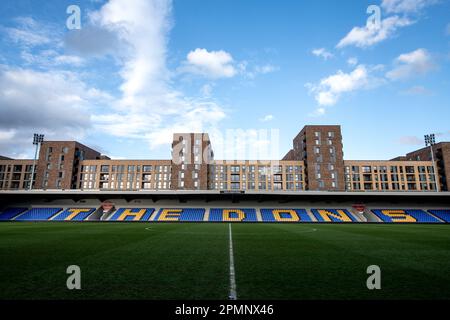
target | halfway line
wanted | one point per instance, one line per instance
(233, 294)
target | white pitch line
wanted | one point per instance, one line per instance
(233, 294)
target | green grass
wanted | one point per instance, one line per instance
(191, 261)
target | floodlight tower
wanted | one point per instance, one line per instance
(37, 141)
(430, 140)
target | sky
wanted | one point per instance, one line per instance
(250, 73)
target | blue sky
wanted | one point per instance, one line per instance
(256, 71)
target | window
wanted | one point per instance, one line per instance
(104, 168)
(235, 177)
(277, 169)
(366, 169)
(235, 185)
(277, 186)
(330, 134)
(409, 169)
(234, 169)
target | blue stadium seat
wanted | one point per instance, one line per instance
(10, 213)
(232, 215)
(38, 214)
(333, 215)
(422, 216)
(132, 214)
(268, 215)
(404, 216)
(74, 214)
(443, 214)
(180, 214)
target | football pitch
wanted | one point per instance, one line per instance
(192, 260)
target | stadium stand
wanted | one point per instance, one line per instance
(132, 214)
(38, 214)
(10, 213)
(333, 215)
(232, 215)
(441, 214)
(404, 216)
(227, 215)
(285, 215)
(180, 214)
(74, 214)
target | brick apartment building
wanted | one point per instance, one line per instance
(315, 162)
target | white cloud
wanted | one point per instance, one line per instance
(320, 111)
(368, 36)
(7, 134)
(322, 53)
(411, 64)
(146, 107)
(55, 103)
(149, 107)
(329, 89)
(267, 68)
(253, 71)
(68, 59)
(352, 61)
(211, 64)
(267, 118)
(51, 58)
(406, 6)
(29, 33)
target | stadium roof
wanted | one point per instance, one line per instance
(214, 195)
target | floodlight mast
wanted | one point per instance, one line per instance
(37, 141)
(430, 140)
